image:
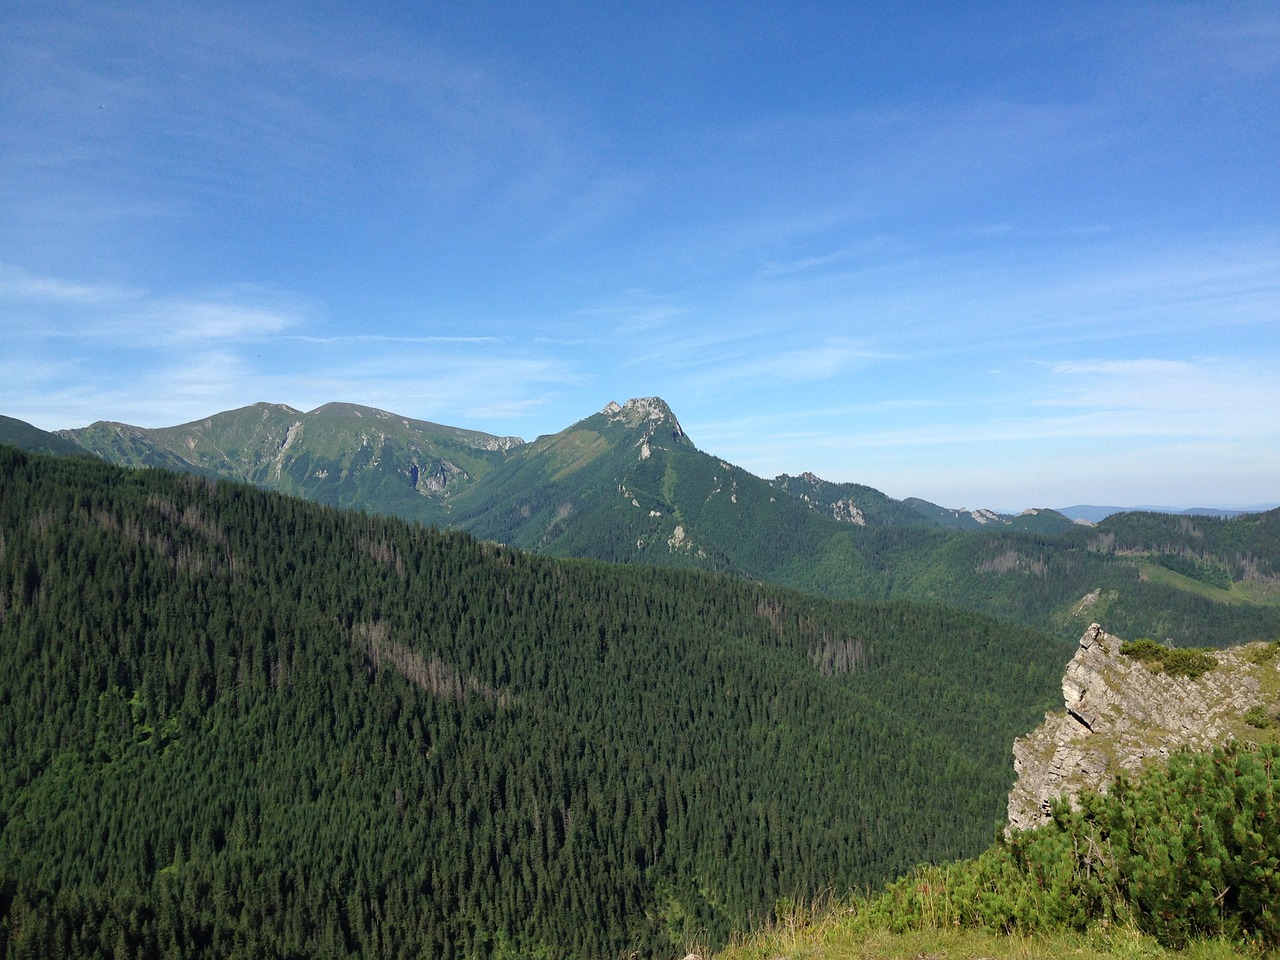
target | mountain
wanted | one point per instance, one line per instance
(628, 484)
(24, 436)
(362, 457)
(239, 724)
(1092, 514)
(340, 454)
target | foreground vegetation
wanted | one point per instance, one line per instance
(838, 936)
(1186, 858)
(237, 724)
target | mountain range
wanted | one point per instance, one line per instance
(627, 484)
(372, 459)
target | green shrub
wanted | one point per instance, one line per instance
(1178, 661)
(1264, 653)
(1257, 716)
(1189, 850)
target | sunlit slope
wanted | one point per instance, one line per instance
(341, 454)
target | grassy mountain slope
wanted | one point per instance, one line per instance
(24, 436)
(341, 454)
(237, 723)
(628, 485)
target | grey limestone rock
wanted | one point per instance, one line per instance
(1120, 714)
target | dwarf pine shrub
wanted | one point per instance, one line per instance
(1178, 661)
(1190, 849)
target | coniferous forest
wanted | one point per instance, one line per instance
(239, 724)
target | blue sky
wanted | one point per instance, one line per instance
(1000, 255)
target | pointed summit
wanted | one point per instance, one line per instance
(649, 412)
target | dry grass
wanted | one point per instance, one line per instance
(835, 932)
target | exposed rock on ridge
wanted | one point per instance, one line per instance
(647, 411)
(1120, 714)
(651, 415)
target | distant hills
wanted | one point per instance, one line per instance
(1093, 514)
(627, 484)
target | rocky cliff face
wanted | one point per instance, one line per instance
(1122, 713)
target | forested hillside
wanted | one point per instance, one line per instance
(239, 724)
(628, 485)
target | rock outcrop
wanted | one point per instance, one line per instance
(1121, 713)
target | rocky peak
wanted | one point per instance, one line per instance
(650, 413)
(1121, 713)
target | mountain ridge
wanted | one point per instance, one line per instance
(627, 484)
(21, 433)
(634, 412)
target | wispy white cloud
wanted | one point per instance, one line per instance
(758, 363)
(187, 321)
(635, 311)
(391, 339)
(19, 284)
(1149, 397)
(592, 199)
(1161, 429)
(1043, 296)
(1219, 45)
